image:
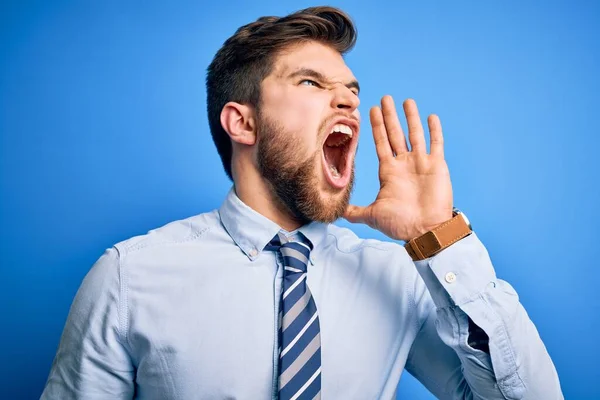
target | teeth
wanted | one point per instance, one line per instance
(334, 171)
(342, 128)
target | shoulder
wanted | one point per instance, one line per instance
(176, 232)
(108, 268)
(346, 241)
(374, 256)
(162, 251)
(370, 254)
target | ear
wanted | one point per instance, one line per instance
(239, 122)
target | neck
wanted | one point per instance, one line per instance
(257, 194)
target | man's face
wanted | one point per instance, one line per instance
(308, 126)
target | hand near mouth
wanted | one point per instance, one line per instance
(415, 192)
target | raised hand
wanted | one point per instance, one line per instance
(415, 192)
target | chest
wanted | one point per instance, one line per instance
(214, 332)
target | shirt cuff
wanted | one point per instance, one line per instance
(457, 274)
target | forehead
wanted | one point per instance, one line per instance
(312, 55)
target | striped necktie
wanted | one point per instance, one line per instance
(299, 333)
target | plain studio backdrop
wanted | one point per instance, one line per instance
(104, 136)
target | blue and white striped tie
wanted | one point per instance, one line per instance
(299, 333)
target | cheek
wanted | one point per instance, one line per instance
(299, 113)
(304, 123)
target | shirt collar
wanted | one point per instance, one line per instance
(252, 231)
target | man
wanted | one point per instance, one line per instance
(264, 298)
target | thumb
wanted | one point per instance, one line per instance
(356, 214)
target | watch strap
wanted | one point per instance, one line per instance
(436, 240)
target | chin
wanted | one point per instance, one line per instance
(329, 202)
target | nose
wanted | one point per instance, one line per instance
(345, 99)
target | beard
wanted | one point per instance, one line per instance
(294, 181)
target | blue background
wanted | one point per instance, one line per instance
(104, 136)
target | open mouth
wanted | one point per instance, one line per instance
(337, 155)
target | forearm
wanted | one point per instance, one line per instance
(463, 284)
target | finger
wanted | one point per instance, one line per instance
(392, 126)
(416, 136)
(382, 145)
(436, 136)
(356, 214)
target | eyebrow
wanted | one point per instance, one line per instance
(320, 77)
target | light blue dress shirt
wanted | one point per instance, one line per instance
(189, 311)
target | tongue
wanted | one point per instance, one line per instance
(334, 171)
(334, 157)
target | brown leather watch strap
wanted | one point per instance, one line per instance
(438, 239)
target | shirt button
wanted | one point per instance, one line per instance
(253, 253)
(450, 277)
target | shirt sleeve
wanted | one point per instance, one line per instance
(92, 361)
(460, 284)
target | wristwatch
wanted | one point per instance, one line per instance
(436, 240)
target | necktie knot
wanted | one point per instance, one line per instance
(295, 254)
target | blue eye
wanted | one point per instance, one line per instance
(309, 82)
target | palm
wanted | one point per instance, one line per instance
(415, 191)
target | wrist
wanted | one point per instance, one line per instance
(422, 230)
(440, 237)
